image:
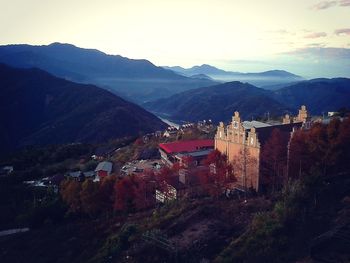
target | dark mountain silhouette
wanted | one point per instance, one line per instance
(137, 80)
(218, 103)
(38, 108)
(266, 78)
(320, 95)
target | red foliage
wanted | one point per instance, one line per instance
(218, 176)
(139, 142)
(274, 159)
(326, 147)
(134, 192)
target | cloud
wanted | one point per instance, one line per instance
(342, 31)
(316, 45)
(323, 5)
(344, 2)
(321, 52)
(316, 35)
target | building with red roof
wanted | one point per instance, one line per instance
(176, 151)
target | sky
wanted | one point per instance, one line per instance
(307, 37)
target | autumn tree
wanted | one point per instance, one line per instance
(70, 192)
(274, 159)
(133, 193)
(245, 168)
(89, 198)
(106, 193)
(218, 176)
(125, 194)
(325, 147)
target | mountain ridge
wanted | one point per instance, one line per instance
(137, 80)
(319, 95)
(260, 79)
(39, 108)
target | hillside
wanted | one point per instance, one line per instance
(38, 108)
(320, 95)
(218, 103)
(260, 79)
(136, 79)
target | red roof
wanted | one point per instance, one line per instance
(186, 146)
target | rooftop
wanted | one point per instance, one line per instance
(104, 166)
(255, 124)
(195, 154)
(186, 146)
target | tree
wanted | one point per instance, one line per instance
(106, 193)
(70, 192)
(89, 197)
(245, 168)
(274, 159)
(125, 194)
(218, 176)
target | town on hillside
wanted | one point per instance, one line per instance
(179, 156)
(184, 189)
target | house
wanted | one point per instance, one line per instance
(103, 169)
(167, 193)
(171, 190)
(81, 176)
(242, 143)
(77, 176)
(170, 132)
(6, 170)
(175, 152)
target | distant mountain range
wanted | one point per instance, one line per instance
(38, 108)
(136, 80)
(320, 95)
(266, 78)
(220, 101)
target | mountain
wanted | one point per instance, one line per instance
(218, 103)
(320, 95)
(261, 79)
(200, 76)
(38, 108)
(203, 69)
(136, 80)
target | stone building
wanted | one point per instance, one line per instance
(242, 143)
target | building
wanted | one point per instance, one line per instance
(6, 170)
(170, 132)
(103, 169)
(177, 152)
(242, 143)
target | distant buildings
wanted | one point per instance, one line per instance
(6, 170)
(170, 132)
(242, 143)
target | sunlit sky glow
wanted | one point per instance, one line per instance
(306, 37)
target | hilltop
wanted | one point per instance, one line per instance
(38, 108)
(220, 101)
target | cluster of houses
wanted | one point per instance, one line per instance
(172, 131)
(234, 139)
(102, 170)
